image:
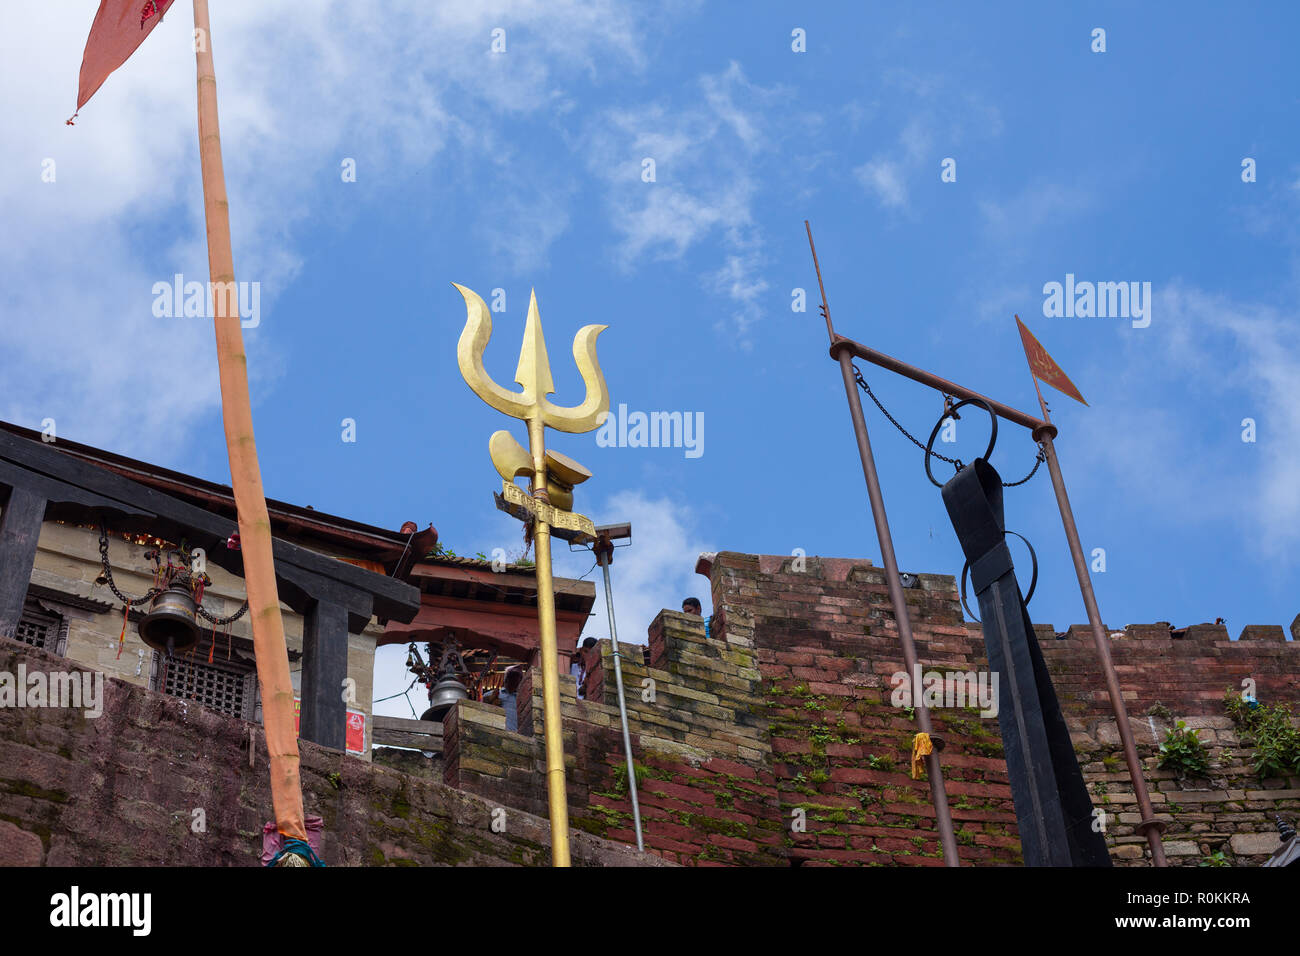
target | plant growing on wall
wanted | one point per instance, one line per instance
(1183, 751)
(1277, 741)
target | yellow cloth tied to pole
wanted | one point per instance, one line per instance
(921, 748)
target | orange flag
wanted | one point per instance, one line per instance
(120, 27)
(1044, 366)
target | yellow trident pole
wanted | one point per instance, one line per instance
(531, 405)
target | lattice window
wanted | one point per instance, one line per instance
(41, 629)
(228, 687)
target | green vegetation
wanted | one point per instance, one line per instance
(1277, 741)
(1183, 751)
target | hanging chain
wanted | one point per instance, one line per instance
(1038, 460)
(153, 592)
(221, 621)
(108, 573)
(955, 462)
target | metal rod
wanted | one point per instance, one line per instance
(826, 311)
(938, 794)
(1149, 827)
(603, 549)
(553, 730)
(840, 343)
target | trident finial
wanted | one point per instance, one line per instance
(534, 371)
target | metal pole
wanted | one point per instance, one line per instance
(553, 729)
(938, 794)
(604, 547)
(1149, 827)
(840, 351)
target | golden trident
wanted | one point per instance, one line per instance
(552, 479)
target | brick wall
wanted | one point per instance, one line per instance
(1167, 679)
(699, 738)
(828, 644)
(783, 715)
(121, 789)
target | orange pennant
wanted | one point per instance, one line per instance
(1044, 366)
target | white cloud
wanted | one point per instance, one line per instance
(1013, 222)
(937, 122)
(708, 158)
(1168, 427)
(657, 571)
(301, 87)
(885, 179)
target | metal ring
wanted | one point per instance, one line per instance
(1033, 580)
(947, 413)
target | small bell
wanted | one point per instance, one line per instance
(171, 625)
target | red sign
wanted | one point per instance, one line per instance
(356, 731)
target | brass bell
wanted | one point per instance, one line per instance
(445, 694)
(171, 625)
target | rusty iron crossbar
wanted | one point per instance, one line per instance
(840, 343)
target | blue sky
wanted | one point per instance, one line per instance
(523, 169)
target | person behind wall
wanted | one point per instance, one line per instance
(507, 695)
(575, 666)
(584, 657)
(692, 606)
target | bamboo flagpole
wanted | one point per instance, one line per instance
(120, 26)
(269, 647)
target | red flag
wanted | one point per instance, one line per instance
(120, 27)
(1044, 366)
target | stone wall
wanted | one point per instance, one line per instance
(826, 648)
(828, 645)
(772, 741)
(123, 788)
(783, 717)
(699, 737)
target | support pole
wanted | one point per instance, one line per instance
(20, 530)
(324, 714)
(553, 728)
(604, 554)
(1150, 827)
(842, 353)
(938, 794)
(269, 647)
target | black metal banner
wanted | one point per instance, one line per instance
(1053, 809)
